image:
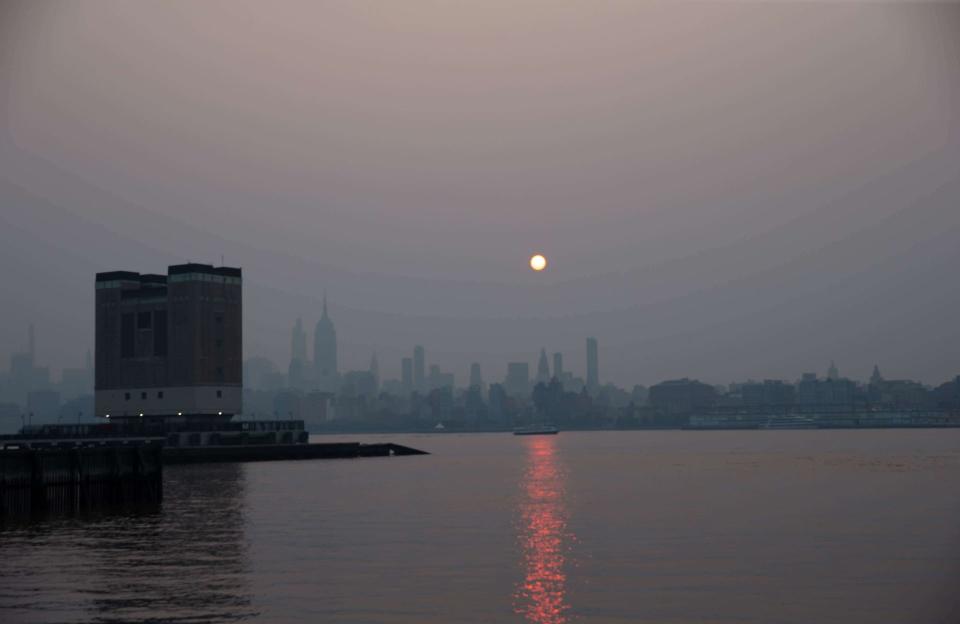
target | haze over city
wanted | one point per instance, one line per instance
(526, 311)
(723, 190)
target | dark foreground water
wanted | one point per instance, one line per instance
(665, 527)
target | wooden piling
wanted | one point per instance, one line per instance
(69, 480)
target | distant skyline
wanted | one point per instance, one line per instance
(724, 190)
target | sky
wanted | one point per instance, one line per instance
(724, 190)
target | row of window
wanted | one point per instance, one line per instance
(143, 395)
(130, 323)
(204, 277)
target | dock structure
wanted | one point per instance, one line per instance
(275, 452)
(58, 474)
(37, 481)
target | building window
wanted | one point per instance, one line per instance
(143, 395)
(144, 320)
(126, 396)
(160, 333)
(219, 394)
(218, 319)
(219, 342)
(126, 336)
(160, 394)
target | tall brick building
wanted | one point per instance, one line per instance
(169, 346)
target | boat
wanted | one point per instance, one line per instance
(536, 430)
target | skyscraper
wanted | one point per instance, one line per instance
(558, 365)
(406, 374)
(325, 352)
(543, 369)
(419, 369)
(298, 342)
(593, 365)
(476, 379)
(433, 380)
(297, 371)
(517, 382)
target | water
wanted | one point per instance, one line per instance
(666, 527)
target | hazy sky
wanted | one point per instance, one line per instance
(724, 190)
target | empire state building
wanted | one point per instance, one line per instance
(325, 352)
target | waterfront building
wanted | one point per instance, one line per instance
(681, 396)
(837, 392)
(558, 365)
(947, 395)
(899, 393)
(169, 345)
(771, 392)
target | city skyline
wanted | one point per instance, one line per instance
(513, 311)
(827, 367)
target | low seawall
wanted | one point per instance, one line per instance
(40, 481)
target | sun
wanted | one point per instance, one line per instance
(538, 262)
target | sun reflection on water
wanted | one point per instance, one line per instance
(543, 536)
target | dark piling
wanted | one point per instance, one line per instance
(56, 481)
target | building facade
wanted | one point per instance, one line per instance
(517, 381)
(476, 377)
(543, 368)
(169, 346)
